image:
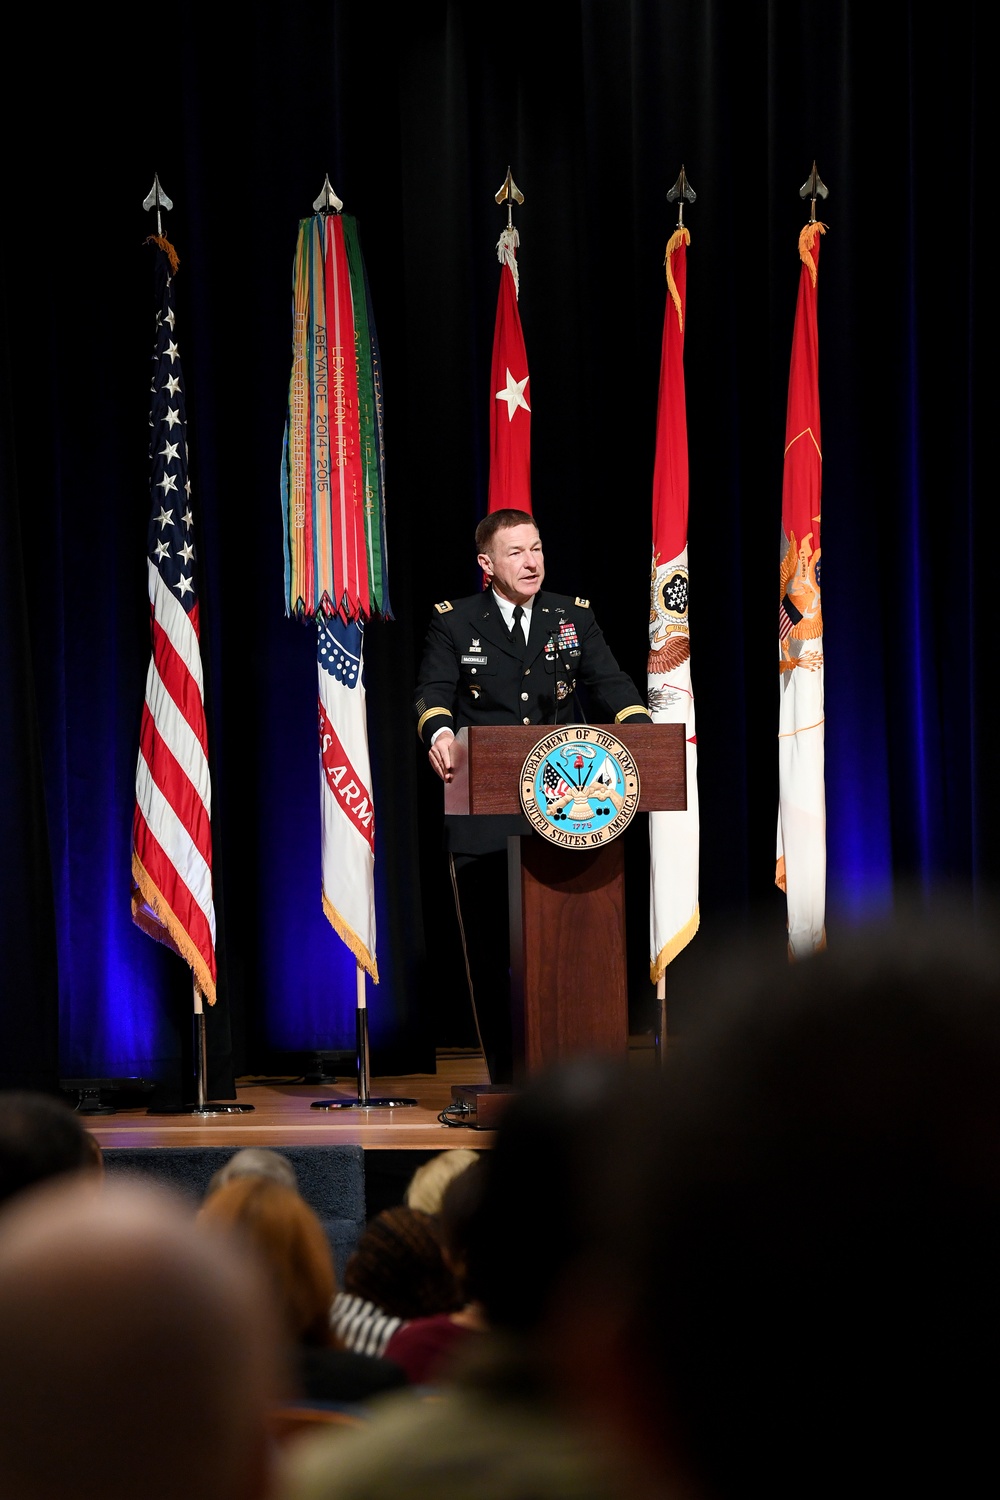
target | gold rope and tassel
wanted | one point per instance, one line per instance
(167, 248)
(807, 239)
(678, 238)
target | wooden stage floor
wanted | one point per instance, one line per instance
(282, 1116)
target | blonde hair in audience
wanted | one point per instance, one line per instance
(428, 1182)
(292, 1245)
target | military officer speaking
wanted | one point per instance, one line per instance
(510, 655)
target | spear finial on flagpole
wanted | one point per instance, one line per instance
(510, 194)
(327, 202)
(813, 187)
(681, 189)
(157, 198)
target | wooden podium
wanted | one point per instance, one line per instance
(569, 990)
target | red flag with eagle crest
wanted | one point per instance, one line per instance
(801, 851)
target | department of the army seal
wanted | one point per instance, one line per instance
(579, 787)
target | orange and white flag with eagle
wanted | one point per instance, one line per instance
(801, 854)
(673, 836)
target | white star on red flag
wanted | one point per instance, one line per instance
(513, 394)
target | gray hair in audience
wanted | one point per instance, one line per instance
(255, 1161)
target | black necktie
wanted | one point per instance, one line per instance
(516, 633)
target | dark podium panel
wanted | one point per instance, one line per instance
(567, 906)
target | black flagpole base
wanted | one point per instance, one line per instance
(364, 1099)
(214, 1108)
(202, 1105)
(211, 1108)
(370, 1103)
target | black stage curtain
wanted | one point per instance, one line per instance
(595, 105)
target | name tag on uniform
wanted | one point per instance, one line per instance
(473, 661)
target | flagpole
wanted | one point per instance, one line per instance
(328, 203)
(510, 400)
(812, 187)
(364, 1099)
(147, 877)
(510, 194)
(800, 851)
(661, 1020)
(202, 1106)
(681, 192)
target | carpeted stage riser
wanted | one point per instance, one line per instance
(331, 1180)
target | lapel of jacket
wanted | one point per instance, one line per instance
(544, 622)
(489, 622)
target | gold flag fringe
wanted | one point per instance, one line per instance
(166, 928)
(807, 239)
(167, 248)
(349, 936)
(670, 950)
(678, 238)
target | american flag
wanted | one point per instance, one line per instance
(788, 618)
(553, 784)
(171, 828)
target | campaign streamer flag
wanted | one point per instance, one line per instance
(801, 851)
(345, 790)
(510, 411)
(333, 504)
(171, 828)
(333, 462)
(673, 836)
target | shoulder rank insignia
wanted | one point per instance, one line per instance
(444, 606)
(581, 603)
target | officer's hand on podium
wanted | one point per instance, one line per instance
(440, 755)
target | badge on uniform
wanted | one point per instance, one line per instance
(473, 661)
(567, 634)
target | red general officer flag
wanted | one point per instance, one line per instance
(510, 411)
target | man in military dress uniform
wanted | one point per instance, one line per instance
(510, 655)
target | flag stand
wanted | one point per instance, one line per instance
(364, 1099)
(660, 1042)
(202, 1106)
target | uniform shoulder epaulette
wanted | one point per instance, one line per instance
(582, 603)
(444, 606)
